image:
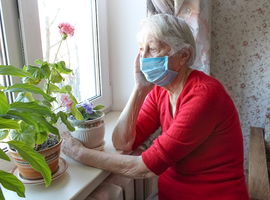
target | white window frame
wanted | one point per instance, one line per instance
(31, 38)
(11, 34)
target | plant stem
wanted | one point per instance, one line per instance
(49, 81)
(57, 51)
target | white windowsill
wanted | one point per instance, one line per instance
(78, 181)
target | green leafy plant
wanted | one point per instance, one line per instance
(28, 121)
(86, 109)
(37, 118)
(37, 161)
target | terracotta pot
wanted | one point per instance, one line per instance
(91, 133)
(51, 155)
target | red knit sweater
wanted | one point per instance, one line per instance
(199, 154)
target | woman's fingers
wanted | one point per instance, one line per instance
(137, 64)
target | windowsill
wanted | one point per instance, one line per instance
(78, 181)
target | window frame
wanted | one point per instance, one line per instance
(31, 38)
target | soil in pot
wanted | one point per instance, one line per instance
(50, 142)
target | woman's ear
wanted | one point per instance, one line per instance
(184, 56)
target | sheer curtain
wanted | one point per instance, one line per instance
(197, 15)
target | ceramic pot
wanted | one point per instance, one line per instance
(91, 133)
(51, 156)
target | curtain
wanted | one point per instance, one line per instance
(197, 14)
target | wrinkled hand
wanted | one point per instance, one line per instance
(71, 146)
(140, 80)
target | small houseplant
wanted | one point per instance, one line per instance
(37, 161)
(37, 117)
(91, 129)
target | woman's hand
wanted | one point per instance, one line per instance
(140, 81)
(71, 147)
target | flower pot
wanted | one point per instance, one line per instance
(91, 133)
(51, 155)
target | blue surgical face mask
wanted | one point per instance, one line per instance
(156, 70)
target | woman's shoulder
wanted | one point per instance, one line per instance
(199, 83)
(200, 79)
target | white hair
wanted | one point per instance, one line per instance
(173, 31)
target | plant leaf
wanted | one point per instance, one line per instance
(63, 117)
(93, 115)
(36, 160)
(3, 133)
(75, 112)
(39, 72)
(52, 129)
(32, 107)
(32, 81)
(26, 87)
(11, 182)
(39, 62)
(56, 77)
(8, 124)
(47, 104)
(24, 97)
(27, 117)
(54, 88)
(3, 155)
(13, 71)
(61, 67)
(27, 134)
(2, 87)
(65, 89)
(4, 103)
(1, 195)
(99, 107)
(41, 137)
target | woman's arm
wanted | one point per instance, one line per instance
(125, 165)
(125, 130)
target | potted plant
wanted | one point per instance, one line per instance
(37, 117)
(91, 129)
(37, 161)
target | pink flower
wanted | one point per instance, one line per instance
(242, 85)
(64, 98)
(66, 29)
(69, 104)
(66, 101)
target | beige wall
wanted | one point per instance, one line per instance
(240, 48)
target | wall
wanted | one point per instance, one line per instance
(123, 25)
(240, 58)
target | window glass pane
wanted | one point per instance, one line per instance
(2, 51)
(2, 62)
(78, 52)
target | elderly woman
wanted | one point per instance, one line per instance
(199, 154)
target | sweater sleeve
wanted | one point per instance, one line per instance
(195, 121)
(148, 119)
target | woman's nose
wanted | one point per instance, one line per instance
(144, 54)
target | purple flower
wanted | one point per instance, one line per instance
(89, 110)
(71, 117)
(88, 107)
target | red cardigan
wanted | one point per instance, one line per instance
(199, 154)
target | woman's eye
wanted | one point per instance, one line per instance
(152, 49)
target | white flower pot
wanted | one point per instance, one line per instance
(91, 133)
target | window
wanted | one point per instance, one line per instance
(85, 53)
(20, 40)
(10, 44)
